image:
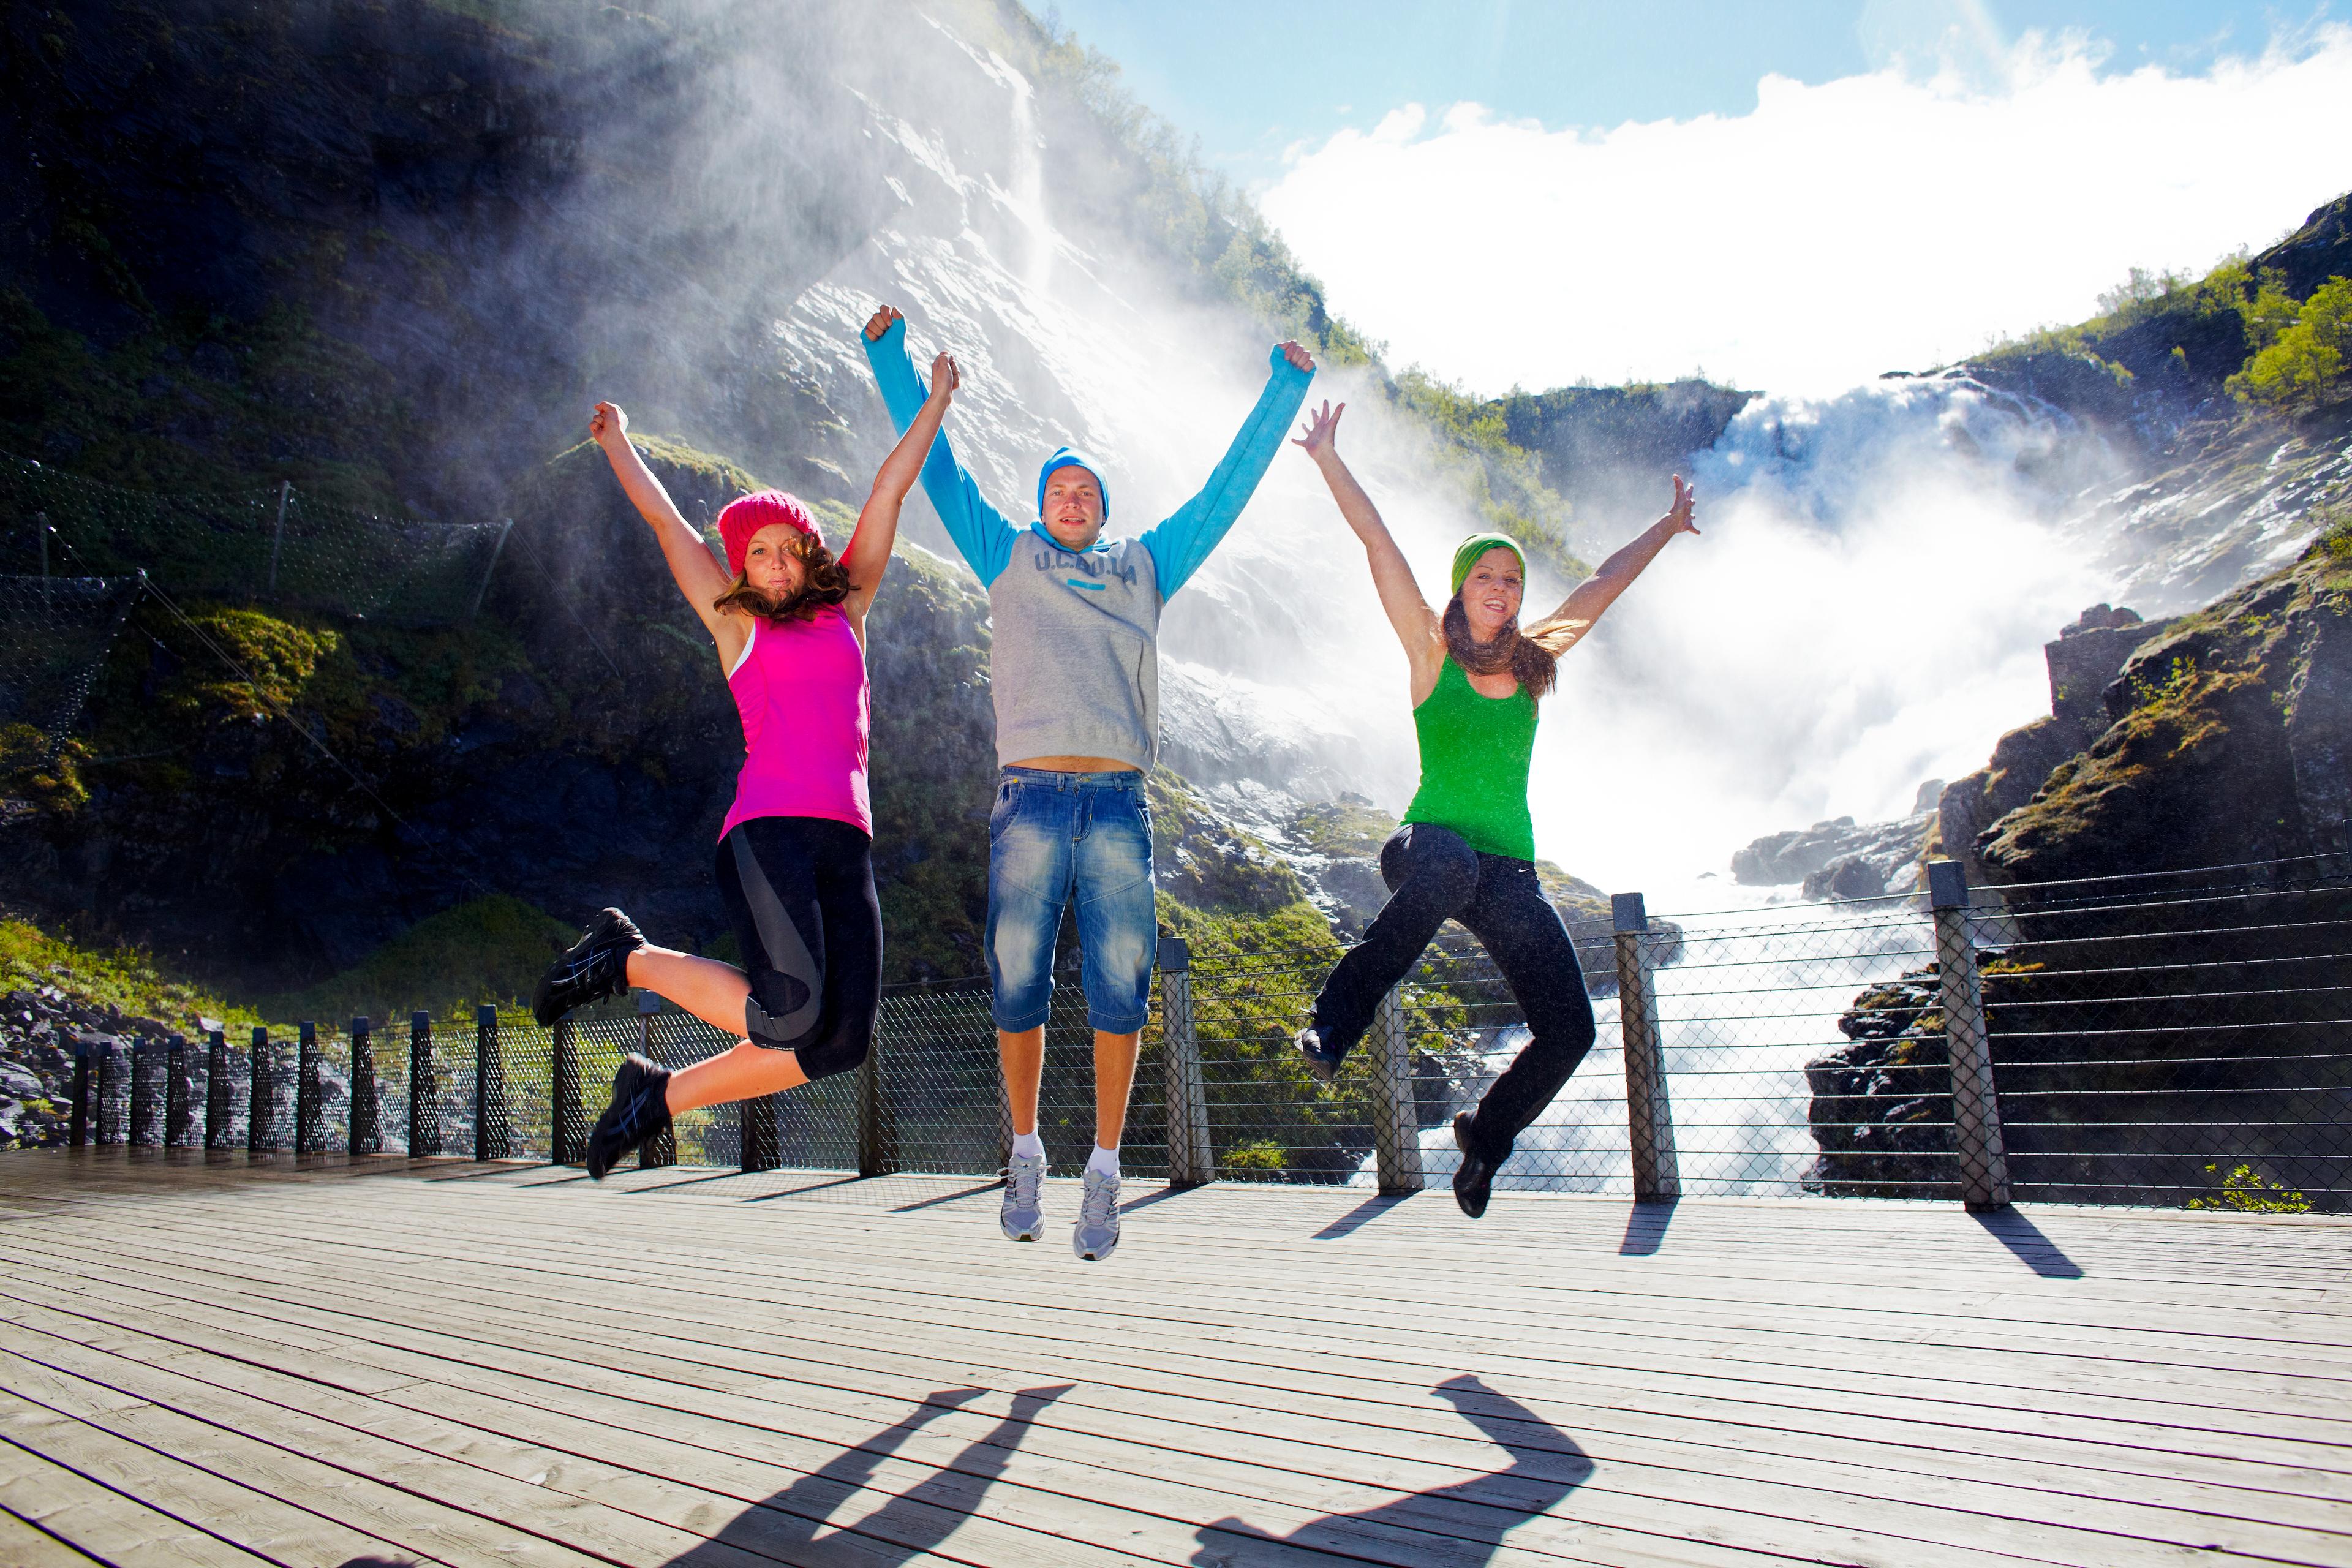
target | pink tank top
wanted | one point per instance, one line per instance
(801, 689)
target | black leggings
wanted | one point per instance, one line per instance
(800, 892)
(1432, 874)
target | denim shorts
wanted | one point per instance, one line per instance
(1054, 839)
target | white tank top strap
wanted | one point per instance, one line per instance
(749, 643)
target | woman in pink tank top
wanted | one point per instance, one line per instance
(795, 864)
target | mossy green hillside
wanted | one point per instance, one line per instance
(104, 977)
(485, 951)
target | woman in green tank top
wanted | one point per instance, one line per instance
(1466, 849)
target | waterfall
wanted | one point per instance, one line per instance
(1027, 188)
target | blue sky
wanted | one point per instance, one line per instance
(1793, 195)
(1251, 78)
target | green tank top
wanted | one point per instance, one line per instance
(1475, 753)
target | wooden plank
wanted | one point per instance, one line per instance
(1745, 1441)
(209, 1393)
(764, 1370)
(1645, 1362)
(25, 1545)
(1873, 1316)
(1255, 1489)
(1071, 1506)
(115, 1529)
(155, 1468)
(1322, 1389)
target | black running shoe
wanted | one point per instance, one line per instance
(640, 1109)
(1320, 1059)
(594, 967)
(1475, 1178)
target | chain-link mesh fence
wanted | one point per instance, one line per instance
(2178, 1039)
(274, 545)
(2183, 1039)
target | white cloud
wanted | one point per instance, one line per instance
(1872, 223)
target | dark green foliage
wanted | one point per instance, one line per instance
(2307, 365)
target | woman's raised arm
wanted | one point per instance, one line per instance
(1417, 625)
(868, 554)
(697, 572)
(1589, 598)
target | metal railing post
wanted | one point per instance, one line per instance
(77, 1122)
(1976, 1107)
(877, 1147)
(142, 1093)
(277, 535)
(261, 1095)
(1191, 1158)
(563, 1096)
(109, 1076)
(309, 1129)
(217, 1089)
(1396, 1124)
(179, 1117)
(491, 1140)
(1649, 1113)
(423, 1088)
(367, 1120)
(661, 1149)
(760, 1134)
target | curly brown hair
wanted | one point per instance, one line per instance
(822, 583)
(1532, 655)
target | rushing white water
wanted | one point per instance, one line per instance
(1865, 609)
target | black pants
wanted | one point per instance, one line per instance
(800, 890)
(1434, 875)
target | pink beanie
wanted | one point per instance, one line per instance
(747, 515)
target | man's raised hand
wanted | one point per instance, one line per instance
(1320, 427)
(1298, 357)
(945, 376)
(608, 424)
(880, 322)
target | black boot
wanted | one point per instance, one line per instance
(594, 967)
(1475, 1178)
(1322, 1058)
(640, 1109)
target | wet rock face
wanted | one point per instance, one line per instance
(1841, 859)
(1882, 1107)
(2227, 743)
(2021, 760)
(2086, 660)
(38, 1031)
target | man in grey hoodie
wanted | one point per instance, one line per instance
(1075, 677)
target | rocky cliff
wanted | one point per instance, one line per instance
(389, 251)
(2229, 740)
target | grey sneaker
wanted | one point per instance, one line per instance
(1024, 1215)
(1097, 1233)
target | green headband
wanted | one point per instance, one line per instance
(1477, 544)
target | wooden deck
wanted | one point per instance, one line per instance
(208, 1361)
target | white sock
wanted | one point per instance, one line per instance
(1105, 1161)
(1028, 1145)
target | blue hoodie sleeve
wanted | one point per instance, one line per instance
(1181, 544)
(979, 530)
